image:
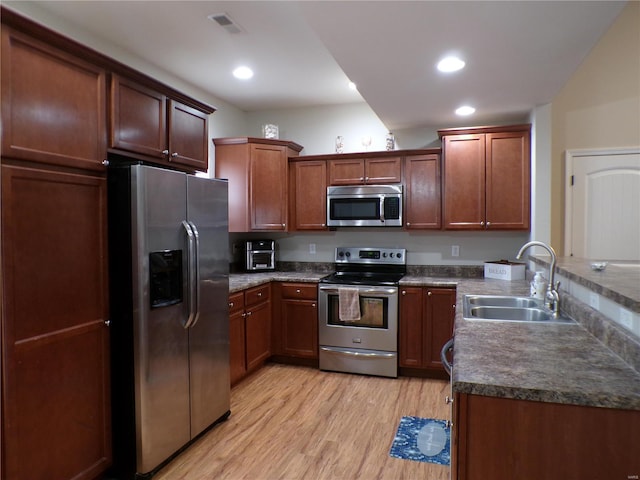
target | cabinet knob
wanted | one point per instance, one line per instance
(174, 154)
(408, 224)
(482, 224)
(284, 225)
(404, 292)
(448, 400)
(259, 294)
(244, 314)
(297, 290)
(488, 224)
(165, 152)
(105, 162)
(230, 304)
(324, 224)
(429, 293)
(248, 314)
(107, 323)
(313, 305)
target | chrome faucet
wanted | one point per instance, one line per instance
(552, 298)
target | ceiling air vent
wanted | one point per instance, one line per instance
(225, 22)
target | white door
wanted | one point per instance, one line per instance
(603, 204)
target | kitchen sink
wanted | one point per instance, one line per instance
(499, 308)
(503, 301)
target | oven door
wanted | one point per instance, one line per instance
(377, 328)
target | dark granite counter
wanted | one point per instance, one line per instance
(539, 362)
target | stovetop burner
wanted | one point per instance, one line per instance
(368, 266)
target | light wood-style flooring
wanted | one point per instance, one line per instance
(290, 422)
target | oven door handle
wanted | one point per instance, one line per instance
(353, 353)
(361, 291)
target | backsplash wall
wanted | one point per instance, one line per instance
(423, 248)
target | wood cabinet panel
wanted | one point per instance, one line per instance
(188, 136)
(464, 182)
(258, 334)
(55, 340)
(138, 120)
(487, 178)
(257, 295)
(426, 323)
(258, 185)
(299, 320)
(542, 440)
(357, 171)
(53, 105)
(237, 349)
(383, 170)
(268, 187)
(508, 180)
(308, 195)
(422, 192)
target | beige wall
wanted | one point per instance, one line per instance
(599, 107)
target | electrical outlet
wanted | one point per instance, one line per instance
(594, 300)
(626, 319)
(312, 248)
(455, 250)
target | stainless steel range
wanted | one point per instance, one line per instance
(358, 311)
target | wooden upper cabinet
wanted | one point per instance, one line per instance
(422, 192)
(53, 104)
(147, 122)
(358, 170)
(138, 119)
(487, 178)
(308, 195)
(258, 185)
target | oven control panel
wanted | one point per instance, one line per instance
(371, 255)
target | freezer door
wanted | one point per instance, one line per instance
(209, 333)
(161, 362)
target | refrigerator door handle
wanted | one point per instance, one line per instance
(196, 263)
(190, 273)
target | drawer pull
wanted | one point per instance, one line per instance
(297, 290)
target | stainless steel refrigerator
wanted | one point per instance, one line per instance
(169, 287)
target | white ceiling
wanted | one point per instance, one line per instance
(519, 54)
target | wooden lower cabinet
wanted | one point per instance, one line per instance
(426, 323)
(55, 339)
(505, 439)
(299, 320)
(249, 330)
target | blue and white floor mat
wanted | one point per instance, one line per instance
(422, 440)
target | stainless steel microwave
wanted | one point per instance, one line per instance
(364, 206)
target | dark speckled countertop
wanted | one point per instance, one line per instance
(561, 363)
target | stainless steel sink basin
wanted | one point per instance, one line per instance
(503, 301)
(499, 308)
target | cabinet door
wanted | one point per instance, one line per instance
(411, 327)
(268, 187)
(56, 416)
(258, 334)
(138, 119)
(439, 309)
(237, 357)
(422, 194)
(508, 181)
(346, 172)
(53, 105)
(464, 182)
(300, 328)
(188, 134)
(308, 205)
(383, 170)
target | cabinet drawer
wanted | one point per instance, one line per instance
(256, 295)
(305, 291)
(236, 302)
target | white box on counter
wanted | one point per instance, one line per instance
(504, 270)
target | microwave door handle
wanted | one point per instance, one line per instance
(382, 208)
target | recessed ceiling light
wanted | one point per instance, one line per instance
(465, 110)
(450, 64)
(243, 73)
(353, 86)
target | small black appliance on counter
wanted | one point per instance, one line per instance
(260, 255)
